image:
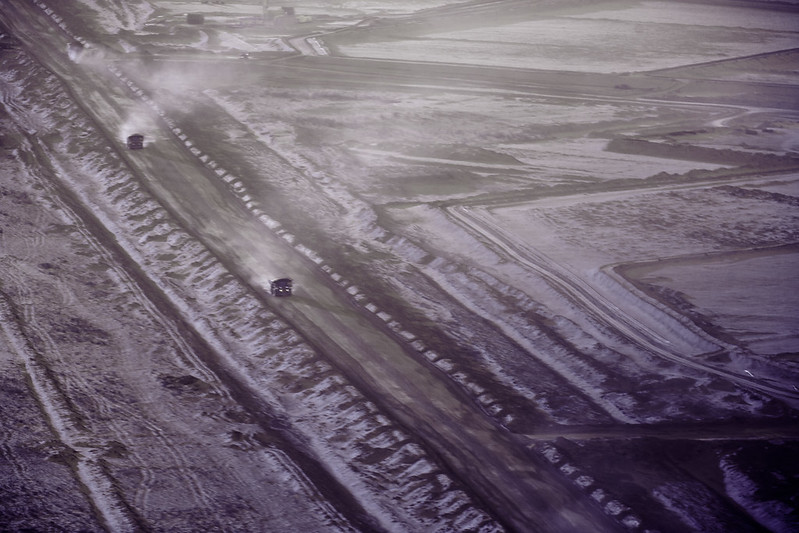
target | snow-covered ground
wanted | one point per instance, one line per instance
(625, 37)
(573, 289)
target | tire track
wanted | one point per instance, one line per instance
(215, 289)
(72, 384)
(59, 411)
(580, 292)
(111, 410)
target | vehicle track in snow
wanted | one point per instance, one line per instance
(54, 392)
(184, 468)
(99, 487)
(74, 384)
(569, 284)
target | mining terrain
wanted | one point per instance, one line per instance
(543, 255)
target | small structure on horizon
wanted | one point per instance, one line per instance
(286, 16)
(136, 141)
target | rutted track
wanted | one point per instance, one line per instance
(75, 401)
(98, 485)
(570, 285)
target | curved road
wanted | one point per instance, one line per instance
(589, 299)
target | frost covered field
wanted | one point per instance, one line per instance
(634, 36)
(544, 256)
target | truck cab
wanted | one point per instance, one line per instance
(281, 287)
(136, 141)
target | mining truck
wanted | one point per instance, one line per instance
(281, 287)
(136, 141)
